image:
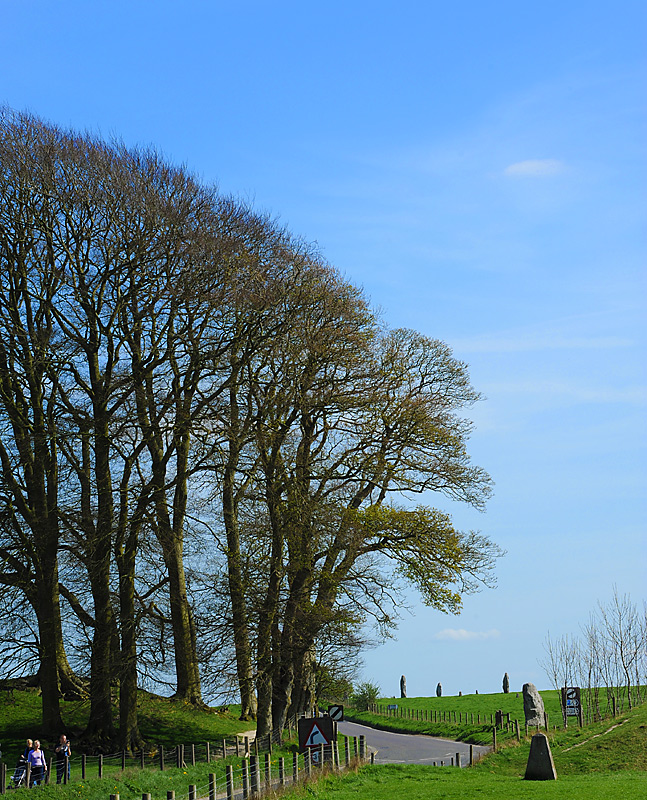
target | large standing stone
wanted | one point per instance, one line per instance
(533, 705)
(439, 690)
(403, 686)
(540, 765)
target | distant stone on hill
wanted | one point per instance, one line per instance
(403, 686)
(533, 705)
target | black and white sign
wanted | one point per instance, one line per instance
(571, 701)
(336, 713)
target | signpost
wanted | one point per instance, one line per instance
(571, 703)
(316, 732)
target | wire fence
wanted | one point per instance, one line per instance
(258, 770)
(255, 775)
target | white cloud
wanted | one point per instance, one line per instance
(535, 168)
(461, 635)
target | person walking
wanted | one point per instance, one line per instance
(37, 764)
(63, 751)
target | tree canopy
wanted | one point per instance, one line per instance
(210, 445)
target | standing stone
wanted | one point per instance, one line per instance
(439, 690)
(403, 686)
(506, 684)
(533, 705)
(540, 765)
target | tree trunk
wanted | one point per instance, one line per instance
(48, 615)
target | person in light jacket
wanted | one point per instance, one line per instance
(37, 763)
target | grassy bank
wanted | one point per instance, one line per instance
(604, 760)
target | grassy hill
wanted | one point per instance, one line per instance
(607, 759)
(161, 720)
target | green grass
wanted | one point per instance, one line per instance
(592, 762)
(161, 721)
(435, 783)
(476, 705)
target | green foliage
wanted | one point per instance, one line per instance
(331, 687)
(365, 695)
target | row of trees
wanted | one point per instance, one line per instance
(206, 436)
(610, 652)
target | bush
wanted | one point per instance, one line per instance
(366, 694)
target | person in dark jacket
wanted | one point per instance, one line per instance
(63, 751)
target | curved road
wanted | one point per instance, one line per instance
(404, 748)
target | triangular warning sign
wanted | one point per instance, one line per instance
(316, 737)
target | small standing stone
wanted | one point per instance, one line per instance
(439, 690)
(541, 766)
(533, 705)
(506, 684)
(403, 686)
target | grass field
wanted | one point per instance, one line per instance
(606, 760)
(429, 783)
(483, 706)
(161, 720)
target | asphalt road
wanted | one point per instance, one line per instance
(403, 748)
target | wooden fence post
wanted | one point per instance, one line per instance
(229, 772)
(84, 762)
(471, 755)
(3, 777)
(146, 796)
(192, 792)
(458, 759)
(212, 783)
(142, 758)
(208, 749)
(281, 771)
(494, 738)
(161, 757)
(362, 748)
(114, 796)
(66, 767)
(516, 730)
(100, 766)
(193, 755)
(253, 769)
(295, 767)
(268, 770)
(347, 750)
(170, 794)
(306, 762)
(224, 748)
(123, 760)
(245, 771)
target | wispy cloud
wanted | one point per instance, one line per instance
(535, 168)
(461, 635)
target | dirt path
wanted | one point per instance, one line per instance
(586, 741)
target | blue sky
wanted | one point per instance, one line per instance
(480, 169)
